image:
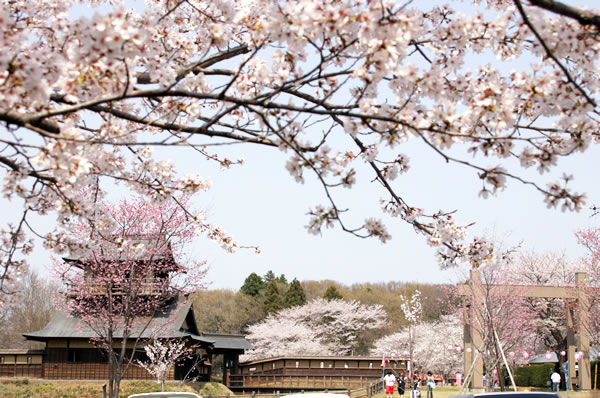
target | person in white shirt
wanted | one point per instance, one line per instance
(555, 381)
(389, 380)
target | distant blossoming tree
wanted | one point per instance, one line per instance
(437, 346)
(590, 239)
(505, 323)
(320, 327)
(127, 267)
(412, 309)
(550, 269)
(87, 94)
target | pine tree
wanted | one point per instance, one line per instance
(332, 294)
(269, 276)
(273, 302)
(252, 285)
(282, 279)
(295, 295)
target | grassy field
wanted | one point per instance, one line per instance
(37, 388)
(446, 392)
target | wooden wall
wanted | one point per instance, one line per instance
(92, 371)
(21, 370)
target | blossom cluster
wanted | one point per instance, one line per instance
(341, 87)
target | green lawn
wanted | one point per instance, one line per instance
(445, 392)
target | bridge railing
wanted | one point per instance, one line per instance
(299, 381)
(366, 391)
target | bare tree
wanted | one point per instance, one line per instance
(32, 312)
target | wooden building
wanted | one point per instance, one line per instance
(70, 351)
(21, 363)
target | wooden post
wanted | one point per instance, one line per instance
(583, 324)
(472, 336)
(572, 379)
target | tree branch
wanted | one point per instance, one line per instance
(584, 17)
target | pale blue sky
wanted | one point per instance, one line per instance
(260, 204)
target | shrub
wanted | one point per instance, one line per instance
(533, 375)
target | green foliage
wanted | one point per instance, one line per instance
(46, 389)
(269, 277)
(533, 375)
(273, 302)
(253, 285)
(295, 295)
(332, 294)
(225, 311)
(207, 389)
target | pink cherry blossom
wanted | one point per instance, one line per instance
(343, 89)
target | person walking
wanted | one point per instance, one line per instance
(401, 384)
(430, 385)
(555, 381)
(415, 391)
(389, 380)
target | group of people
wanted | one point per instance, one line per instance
(390, 380)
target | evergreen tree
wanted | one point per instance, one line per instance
(273, 302)
(282, 279)
(252, 285)
(295, 295)
(269, 276)
(332, 294)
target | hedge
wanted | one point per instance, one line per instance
(536, 375)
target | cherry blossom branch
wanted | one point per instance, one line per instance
(550, 54)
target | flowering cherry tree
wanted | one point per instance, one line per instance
(162, 355)
(548, 269)
(277, 337)
(320, 327)
(436, 346)
(413, 311)
(590, 239)
(505, 323)
(87, 94)
(128, 268)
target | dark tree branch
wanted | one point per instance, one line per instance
(584, 17)
(144, 77)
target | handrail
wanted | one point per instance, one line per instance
(363, 392)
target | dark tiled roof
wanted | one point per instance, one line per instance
(229, 341)
(168, 324)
